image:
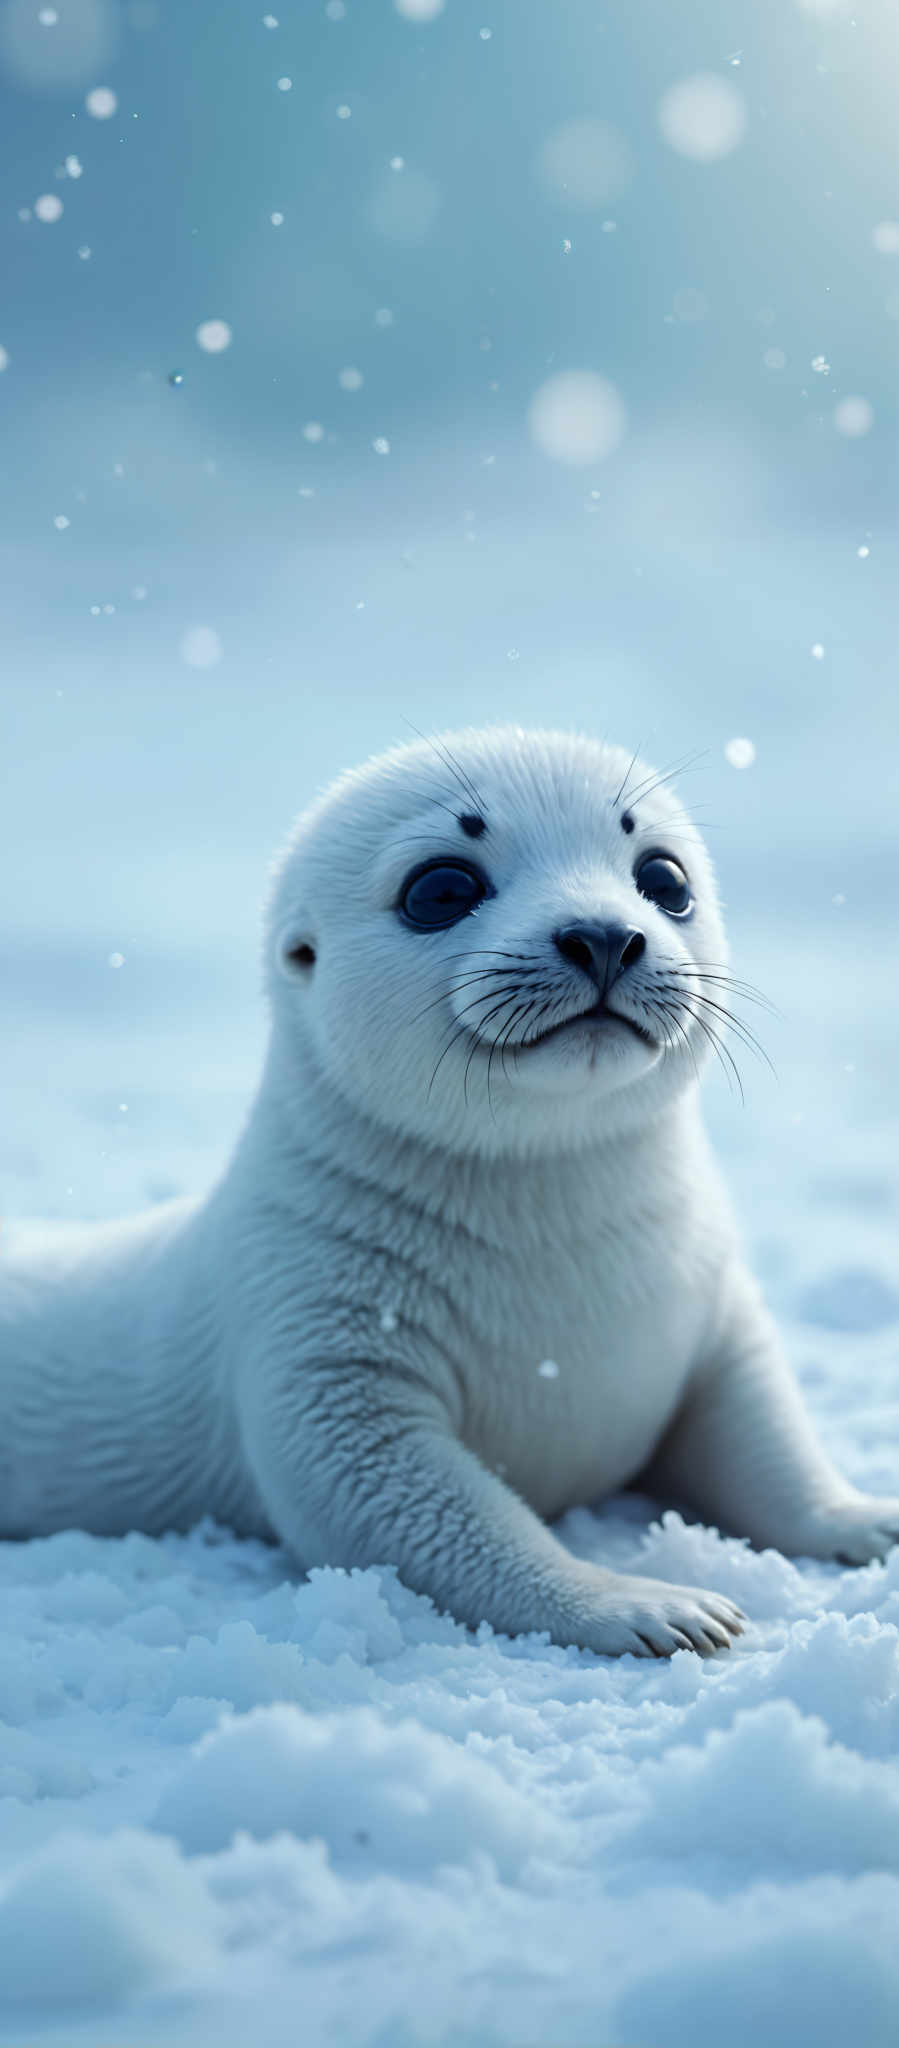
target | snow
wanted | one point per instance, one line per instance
(101, 102)
(215, 1777)
(740, 753)
(419, 10)
(213, 336)
(234, 1804)
(237, 1808)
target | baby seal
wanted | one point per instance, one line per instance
(471, 1262)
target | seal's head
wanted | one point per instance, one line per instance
(498, 940)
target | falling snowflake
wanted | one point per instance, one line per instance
(740, 753)
(101, 103)
(213, 336)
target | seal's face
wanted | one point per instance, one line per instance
(501, 940)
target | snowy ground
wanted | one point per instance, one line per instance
(238, 1809)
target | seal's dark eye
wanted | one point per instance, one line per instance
(664, 882)
(440, 894)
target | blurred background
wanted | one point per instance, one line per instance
(373, 361)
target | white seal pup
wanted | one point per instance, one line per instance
(472, 1261)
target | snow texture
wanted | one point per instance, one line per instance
(235, 1805)
(237, 1808)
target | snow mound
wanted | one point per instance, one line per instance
(89, 1922)
(771, 1790)
(401, 1797)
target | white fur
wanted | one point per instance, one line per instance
(341, 1345)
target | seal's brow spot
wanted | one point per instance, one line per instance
(472, 825)
(301, 956)
(627, 823)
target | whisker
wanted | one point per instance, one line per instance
(499, 1044)
(462, 1028)
(455, 988)
(746, 1037)
(482, 1023)
(426, 796)
(653, 781)
(670, 1011)
(743, 989)
(620, 792)
(720, 978)
(722, 1051)
(449, 761)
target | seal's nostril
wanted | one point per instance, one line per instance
(574, 949)
(636, 946)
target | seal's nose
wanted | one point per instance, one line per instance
(604, 951)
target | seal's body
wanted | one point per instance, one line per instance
(472, 1262)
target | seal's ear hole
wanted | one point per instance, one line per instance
(296, 957)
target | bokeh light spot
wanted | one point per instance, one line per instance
(703, 117)
(577, 418)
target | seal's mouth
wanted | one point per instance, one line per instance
(599, 1015)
